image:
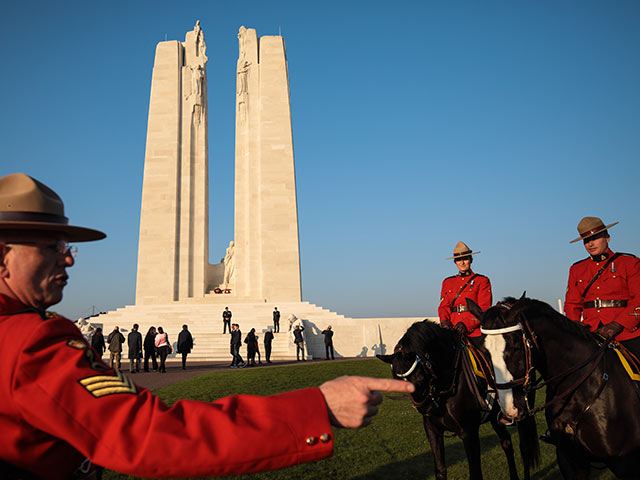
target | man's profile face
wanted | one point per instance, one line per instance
(34, 274)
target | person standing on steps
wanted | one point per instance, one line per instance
(226, 320)
(268, 339)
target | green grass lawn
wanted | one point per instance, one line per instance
(393, 446)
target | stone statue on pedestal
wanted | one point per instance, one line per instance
(229, 266)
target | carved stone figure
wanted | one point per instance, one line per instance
(197, 78)
(201, 47)
(229, 265)
(242, 78)
(242, 32)
(86, 328)
(294, 321)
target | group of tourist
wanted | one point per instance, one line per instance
(253, 347)
(156, 345)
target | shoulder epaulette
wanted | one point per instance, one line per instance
(628, 254)
(452, 276)
(580, 261)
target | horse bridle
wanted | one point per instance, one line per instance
(425, 363)
(529, 340)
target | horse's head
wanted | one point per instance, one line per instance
(415, 358)
(413, 367)
(405, 364)
(508, 348)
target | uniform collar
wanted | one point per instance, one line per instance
(10, 305)
(603, 256)
(468, 273)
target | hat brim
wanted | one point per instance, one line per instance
(71, 232)
(591, 234)
(461, 256)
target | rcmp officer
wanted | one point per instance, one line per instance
(603, 290)
(453, 311)
(64, 410)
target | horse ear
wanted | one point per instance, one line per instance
(524, 295)
(387, 358)
(474, 308)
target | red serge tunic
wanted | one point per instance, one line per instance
(478, 290)
(61, 404)
(619, 281)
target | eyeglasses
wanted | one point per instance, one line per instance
(462, 259)
(61, 247)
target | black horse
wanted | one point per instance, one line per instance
(592, 408)
(432, 357)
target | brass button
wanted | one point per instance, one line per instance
(311, 440)
(324, 438)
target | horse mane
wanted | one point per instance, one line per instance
(534, 309)
(427, 337)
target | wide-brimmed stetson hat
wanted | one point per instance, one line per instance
(461, 250)
(590, 226)
(27, 204)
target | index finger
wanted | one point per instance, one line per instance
(388, 385)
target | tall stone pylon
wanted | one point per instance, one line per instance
(173, 248)
(267, 251)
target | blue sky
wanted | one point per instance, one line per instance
(416, 124)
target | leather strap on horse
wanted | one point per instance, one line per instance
(604, 267)
(484, 364)
(461, 289)
(471, 379)
(434, 396)
(596, 360)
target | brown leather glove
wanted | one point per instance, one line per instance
(446, 324)
(461, 328)
(610, 330)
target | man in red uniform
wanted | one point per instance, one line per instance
(62, 409)
(453, 311)
(603, 291)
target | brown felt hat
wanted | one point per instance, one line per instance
(590, 226)
(27, 204)
(461, 250)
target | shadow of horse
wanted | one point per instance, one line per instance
(421, 466)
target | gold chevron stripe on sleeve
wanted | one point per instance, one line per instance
(102, 385)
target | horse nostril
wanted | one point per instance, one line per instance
(504, 420)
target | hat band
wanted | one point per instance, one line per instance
(33, 217)
(593, 231)
(462, 254)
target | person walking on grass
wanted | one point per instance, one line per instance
(185, 344)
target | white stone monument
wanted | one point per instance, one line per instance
(173, 250)
(261, 269)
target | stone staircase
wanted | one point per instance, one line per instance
(205, 324)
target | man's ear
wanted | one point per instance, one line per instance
(4, 269)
